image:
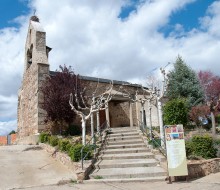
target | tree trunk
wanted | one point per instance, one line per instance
(160, 115)
(83, 131)
(213, 124)
(98, 122)
(92, 129)
(150, 121)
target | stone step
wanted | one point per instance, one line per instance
(110, 139)
(102, 164)
(122, 128)
(123, 131)
(123, 134)
(125, 150)
(122, 142)
(161, 158)
(133, 172)
(127, 180)
(126, 156)
(124, 146)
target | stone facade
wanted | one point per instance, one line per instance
(36, 68)
(121, 111)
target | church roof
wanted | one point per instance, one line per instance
(101, 80)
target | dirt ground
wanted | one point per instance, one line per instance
(24, 166)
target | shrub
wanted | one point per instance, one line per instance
(156, 142)
(217, 142)
(63, 144)
(53, 140)
(75, 152)
(218, 118)
(74, 130)
(189, 148)
(44, 137)
(201, 146)
(176, 112)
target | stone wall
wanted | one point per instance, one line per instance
(61, 157)
(119, 114)
(3, 140)
(27, 103)
(202, 168)
(36, 68)
(119, 111)
(8, 140)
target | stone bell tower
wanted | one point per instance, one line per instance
(36, 69)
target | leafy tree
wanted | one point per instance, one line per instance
(175, 112)
(183, 82)
(210, 84)
(198, 113)
(12, 132)
(56, 90)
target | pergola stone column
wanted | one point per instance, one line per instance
(131, 114)
(107, 114)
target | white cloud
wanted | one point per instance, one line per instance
(89, 36)
(7, 127)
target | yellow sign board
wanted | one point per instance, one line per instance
(176, 152)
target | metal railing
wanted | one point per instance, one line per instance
(153, 137)
(92, 147)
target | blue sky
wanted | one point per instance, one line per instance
(116, 39)
(10, 9)
(188, 17)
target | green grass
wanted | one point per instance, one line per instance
(98, 177)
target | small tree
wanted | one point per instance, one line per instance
(184, 83)
(175, 112)
(56, 90)
(12, 132)
(97, 102)
(198, 113)
(210, 84)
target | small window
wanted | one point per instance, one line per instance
(29, 56)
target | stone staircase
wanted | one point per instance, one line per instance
(126, 158)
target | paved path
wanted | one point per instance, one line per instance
(211, 182)
(23, 166)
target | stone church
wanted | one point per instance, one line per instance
(121, 110)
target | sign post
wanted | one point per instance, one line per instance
(176, 152)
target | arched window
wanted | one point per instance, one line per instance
(29, 56)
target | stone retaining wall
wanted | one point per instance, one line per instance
(62, 157)
(202, 168)
(81, 174)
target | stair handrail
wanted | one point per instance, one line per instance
(152, 136)
(104, 127)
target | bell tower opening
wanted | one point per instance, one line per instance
(29, 56)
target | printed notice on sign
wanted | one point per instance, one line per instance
(176, 153)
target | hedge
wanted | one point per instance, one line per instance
(44, 137)
(201, 146)
(75, 152)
